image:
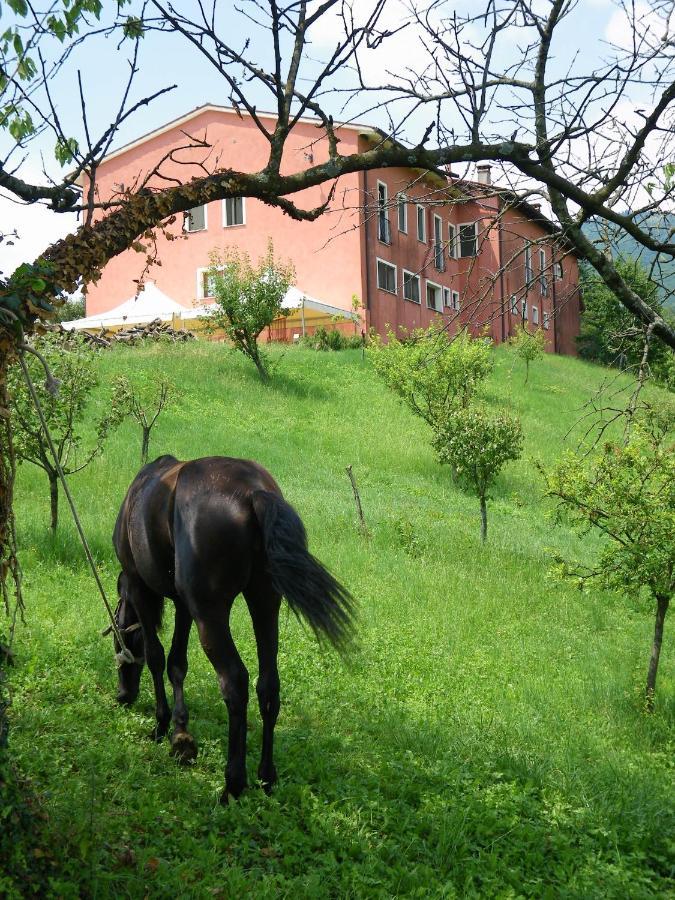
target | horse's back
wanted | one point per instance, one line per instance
(218, 542)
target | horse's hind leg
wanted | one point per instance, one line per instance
(216, 639)
(182, 743)
(148, 606)
(263, 604)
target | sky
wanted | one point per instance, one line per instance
(167, 59)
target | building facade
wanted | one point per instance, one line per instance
(411, 246)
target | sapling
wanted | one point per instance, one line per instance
(145, 397)
(477, 443)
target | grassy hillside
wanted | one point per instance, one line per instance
(487, 739)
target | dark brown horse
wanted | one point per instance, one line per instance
(200, 533)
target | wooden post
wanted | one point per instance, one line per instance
(357, 499)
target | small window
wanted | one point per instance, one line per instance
(559, 271)
(468, 242)
(547, 321)
(535, 315)
(434, 296)
(439, 255)
(514, 305)
(455, 300)
(543, 280)
(205, 284)
(452, 242)
(402, 204)
(447, 300)
(411, 287)
(386, 276)
(529, 271)
(523, 310)
(233, 212)
(195, 219)
(421, 224)
(383, 224)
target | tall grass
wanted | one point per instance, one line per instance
(487, 739)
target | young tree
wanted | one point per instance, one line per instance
(145, 397)
(626, 492)
(248, 299)
(528, 346)
(432, 372)
(477, 444)
(64, 403)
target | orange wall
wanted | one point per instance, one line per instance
(325, 253)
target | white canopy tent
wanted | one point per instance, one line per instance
(151, 303)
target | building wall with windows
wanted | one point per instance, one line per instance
(428, 246)
(326, 253)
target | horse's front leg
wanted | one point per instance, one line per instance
(148, 606)
(183, 746)
(216, 639)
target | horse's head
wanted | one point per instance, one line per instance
(128, 673)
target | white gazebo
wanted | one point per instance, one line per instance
(150, 304)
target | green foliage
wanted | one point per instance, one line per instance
(627, 493)
(478, 443)
(528, 346)
(64, 400)
(248, 298)
(144, 397)
(71, 309)
(325, 339)
(609, 333)
(431, 372)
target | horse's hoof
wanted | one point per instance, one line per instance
(124, 698)
(183, 747)
(224, 798)
(157, 734)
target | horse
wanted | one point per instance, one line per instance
(201, 532)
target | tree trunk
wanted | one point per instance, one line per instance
(54, 499)
(483, 518)
(661, 609)
(145, 445)
(527, 370)
(255, 356)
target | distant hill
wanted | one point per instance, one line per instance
(624, 245)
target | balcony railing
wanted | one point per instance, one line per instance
(383, 229)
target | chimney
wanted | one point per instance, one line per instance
(483, 176)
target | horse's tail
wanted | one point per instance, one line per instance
(310, 589)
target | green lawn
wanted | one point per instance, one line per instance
(487, 739)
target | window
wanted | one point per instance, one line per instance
(547, 321)
(452, 242)
(559, 271)
(386, 276)
(234, 212)
(411, 287)
(439, 256)
(195, 219)
(421, 224)
(447, 302)
(529, 271)
(383, 225)
(468, 239)
(543, 280)
(434, 296)
(535, 315)
(205, 284)
(402, 213)
(514, 305)
(455, 300)
(523, 310)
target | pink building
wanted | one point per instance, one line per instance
(410, 245)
